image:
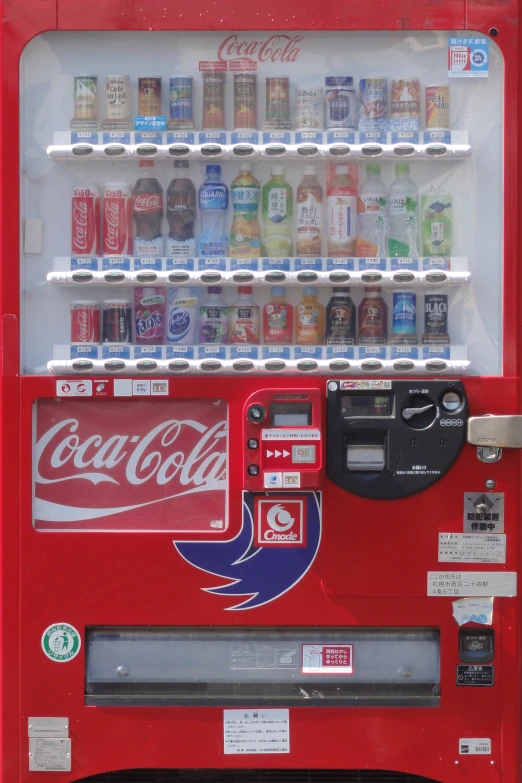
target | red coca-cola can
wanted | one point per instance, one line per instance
(85, 220)
(117, 219)
(85, 321)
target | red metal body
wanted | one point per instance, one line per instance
(371, 566)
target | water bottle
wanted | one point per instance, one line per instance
(402, 214)
(213, 205)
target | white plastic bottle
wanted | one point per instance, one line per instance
(372, 214)
(214, 318)
(403, 214)
(244, 318)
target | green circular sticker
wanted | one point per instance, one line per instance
(61, 642)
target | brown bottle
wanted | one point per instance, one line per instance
(372, 317)
(309, 216)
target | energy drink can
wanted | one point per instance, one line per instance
(149, 96)
(309, 112)
(341, 102)
(405, 104)
(85, 97)
(437, 107)
(245, 101)
(181, 103)
(214, 100)
(277, 103)
(435, 319)
(373, 104)
(404, 319)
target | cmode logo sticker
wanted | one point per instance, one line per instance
(278, 542)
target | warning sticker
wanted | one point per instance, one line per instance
(475, 746)
(327, 659)
(472, 548)
(256, 731)
(483, 512)
(476, 676)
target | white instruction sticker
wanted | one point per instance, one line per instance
(49, 755)
(473, 610)
(469, 583)
(256, 731)
(472, 548)
(475, 746)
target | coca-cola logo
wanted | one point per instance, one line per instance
(282, 48)
(147, 202)
(82, 318)
(134, 455)
(113, 218)
(80, 223)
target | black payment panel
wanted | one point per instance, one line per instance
(390, 439)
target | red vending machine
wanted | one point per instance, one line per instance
(260, 392)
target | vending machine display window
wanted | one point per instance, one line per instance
(230, 220)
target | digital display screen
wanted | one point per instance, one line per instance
(290, 414)
(366, 404)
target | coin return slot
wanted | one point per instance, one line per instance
(436, 150)
(366, 453)
(275, 149)
(243, 150)
(210, 150)
(146, 150)
(113, 150)
(403, 150)
(82, 277)
(178, 150)
(82, 150)
(372, 150)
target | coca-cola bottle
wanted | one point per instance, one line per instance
(181, 212)
(147, 211)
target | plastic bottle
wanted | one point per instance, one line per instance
(437, 223)
(278, 319)
(340, 318)
(244, 318)
(182, 315)
(149, 315)
(277, 215)
(372, 214)
(372, 317)
(309, 319)
(213, 318)
(147, 211)
(181, 213)
(309, 219)
(341, 214)
(245, 234)
(213, 205)
(402, 214)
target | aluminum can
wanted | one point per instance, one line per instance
(117, 321)
(181, 102)
(404, 321)
(278, 101)
(85, 97)
(405, 104)
(117, 98)
(309, 108)
(437, 106)
(435, 315)
(245, 101)
(149, 96)
(85, 220)
(214, 100)
(373, 104)
(117, 218)
(341, 102)
(85, 321)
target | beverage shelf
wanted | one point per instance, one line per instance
(386, 272)
(281, 145)
(258, 360)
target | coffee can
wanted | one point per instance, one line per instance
(341, 102)
(245, 101)
(117, 321)
(214, 100)
(435, 315)
(85, 97)
(149, 96)
(309, 108)
(405, 100)
(181, 102)
(373, 104)
(278, 102)
(437, 106)
(404, 313)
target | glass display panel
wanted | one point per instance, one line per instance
(360, 217)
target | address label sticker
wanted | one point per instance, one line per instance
(501, 584)
(472, 548)
(475, 746)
